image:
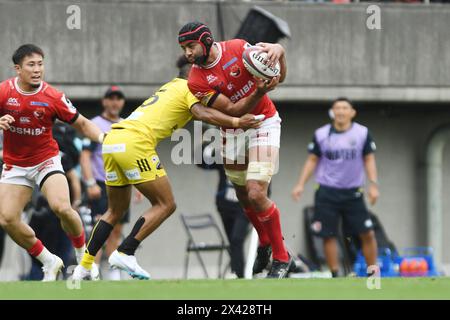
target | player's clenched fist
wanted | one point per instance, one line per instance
(264, 86)
(5, 121)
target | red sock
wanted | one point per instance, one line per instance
(264, 239)
(36, 249)
(271, 221)
(77, 241)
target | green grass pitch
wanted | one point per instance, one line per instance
(261, 289)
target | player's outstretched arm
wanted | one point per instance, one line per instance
(307, 171)
(88, 129)
(275, 52)
(218, 118)
(244, 105)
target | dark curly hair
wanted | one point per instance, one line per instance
(184, 66)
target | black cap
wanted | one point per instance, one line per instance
(114, 90)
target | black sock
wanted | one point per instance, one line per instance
(335, 274)
(99, 235)
(130, 244)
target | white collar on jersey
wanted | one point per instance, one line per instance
(219, 55)
(26, 93)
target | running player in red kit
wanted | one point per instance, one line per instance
(28, 109)
(219, 80)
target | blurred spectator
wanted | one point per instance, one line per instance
(339, 153)
(94, 174)
(43, 221)
(2, 232)
(234, 220)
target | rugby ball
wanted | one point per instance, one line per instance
(253, 59)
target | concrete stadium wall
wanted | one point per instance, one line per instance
(331, 51)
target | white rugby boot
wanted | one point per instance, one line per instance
(95, 272)
(81, 273)
(128, 264)
(52, 268)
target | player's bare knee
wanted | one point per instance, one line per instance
(62, 210)
(7, 220)
(113, 216)
(256, 196)
(170, 207)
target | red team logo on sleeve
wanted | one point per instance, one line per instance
(228, 76)
(29, 140)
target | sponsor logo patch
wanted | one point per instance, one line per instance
(13, 102)
(158, 165)
(38, 103)
(133, 174)
(25, 120)
(229, 63)
(211, 78)
(27, 131)
(113, 148)
(242, 92)
(45, 165)
(111, 176)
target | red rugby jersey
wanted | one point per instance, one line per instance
(29, 141)
(227, 75)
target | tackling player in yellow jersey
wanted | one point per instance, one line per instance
(130, 158)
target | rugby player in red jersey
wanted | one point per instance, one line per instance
(219, 80)
(28, 109)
